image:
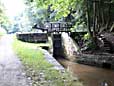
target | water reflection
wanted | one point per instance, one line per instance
(91, 76)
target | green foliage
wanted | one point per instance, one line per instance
(39, 11)
(112, 0)
(61, 9)
(88, 42)
(90, 45)
(4, 21)
(86, 36)
(73, 11)
(3, 17)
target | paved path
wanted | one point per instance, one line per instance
(11, 70)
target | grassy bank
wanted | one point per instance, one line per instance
(39, 70)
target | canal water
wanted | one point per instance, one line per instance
(89, 75)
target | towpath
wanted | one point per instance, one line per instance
(11, 69)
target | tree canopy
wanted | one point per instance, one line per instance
(3, 17)
(73, 11)
(4, 21)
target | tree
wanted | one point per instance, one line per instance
(62, 10)
(4, 21)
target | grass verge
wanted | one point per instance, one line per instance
(39, 70)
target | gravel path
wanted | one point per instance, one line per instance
(11, 69)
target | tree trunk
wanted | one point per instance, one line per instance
(108, 22)
(94, 19)
(88, 24)
(88, 20)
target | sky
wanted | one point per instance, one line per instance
(14, 7)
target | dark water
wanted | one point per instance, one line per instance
(90, 76)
